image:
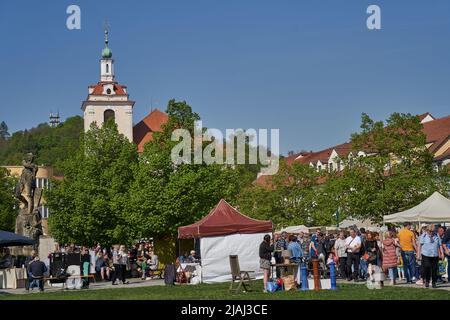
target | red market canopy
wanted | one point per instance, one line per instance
(224, 220)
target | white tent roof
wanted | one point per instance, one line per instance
(436, 208)
(367, 223)
(296, 229)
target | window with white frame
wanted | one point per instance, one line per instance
(42, 183)
(44, 212)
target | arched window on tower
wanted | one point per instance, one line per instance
(109, 115)
(107, 68)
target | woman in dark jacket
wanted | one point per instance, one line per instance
(265, 255)
(371, 250)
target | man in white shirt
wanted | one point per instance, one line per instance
(341, 252)
(353, 246)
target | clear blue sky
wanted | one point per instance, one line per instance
(308, 68)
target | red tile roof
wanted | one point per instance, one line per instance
(143, 131)
(118, 89)
(437, 132)
(342, 150)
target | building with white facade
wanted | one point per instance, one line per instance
(108, 99)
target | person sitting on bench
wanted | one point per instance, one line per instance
(37, 269)
(153, 265)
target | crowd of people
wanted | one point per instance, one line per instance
(115, 264)
(192, 257)
(118, 262)
(417, 256)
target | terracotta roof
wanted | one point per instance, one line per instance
(265, 181)
(143, 131)
(342, 150)
(118, 89)
(437, 132)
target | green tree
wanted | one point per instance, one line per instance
(395, 173)
(4, 134)
(50, 145)
(164, 195)
(288, 198)
(89, 204)
(8, 203)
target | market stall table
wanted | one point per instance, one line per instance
(13, 278)
(289, 266)
(196, 266)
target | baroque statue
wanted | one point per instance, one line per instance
(29, 220)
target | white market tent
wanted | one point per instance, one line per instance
(224, 232)
(436, 208)
(295, 229)
(367, 224)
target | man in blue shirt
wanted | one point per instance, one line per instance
(295, 249)
(314, 246)
(431, 250)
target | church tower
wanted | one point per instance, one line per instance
(108, 99)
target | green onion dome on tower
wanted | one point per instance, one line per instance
(106, 52)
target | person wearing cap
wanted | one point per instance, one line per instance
(193, 257)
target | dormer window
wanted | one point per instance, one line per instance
(108, 91)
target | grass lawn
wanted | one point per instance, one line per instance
(220, 291)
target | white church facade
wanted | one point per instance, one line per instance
(108, 99)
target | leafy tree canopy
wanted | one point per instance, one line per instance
(8, 203)
(50, 145)
(88, 205)
(396, 173)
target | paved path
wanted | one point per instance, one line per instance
(134, 283)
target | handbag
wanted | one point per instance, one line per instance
(272, 286)
(181, 277)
